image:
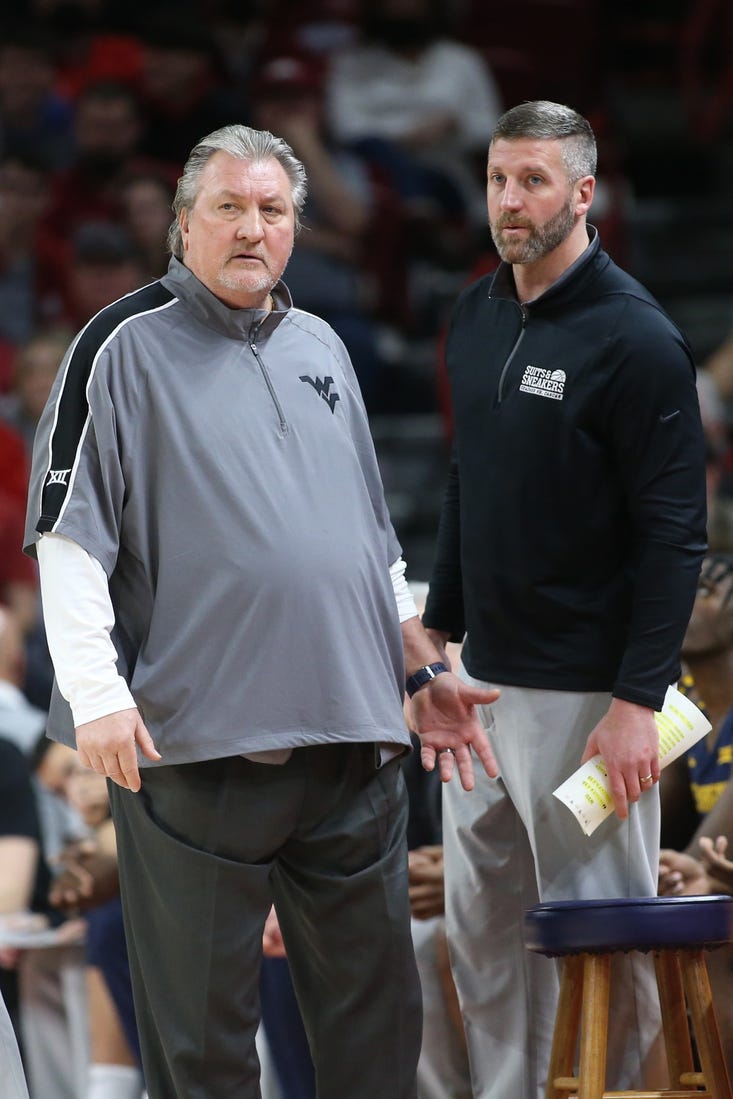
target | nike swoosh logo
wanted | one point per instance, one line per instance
(669, 416)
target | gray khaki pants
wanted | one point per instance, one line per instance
(11, 1068)
(509, 844)
(204, 849)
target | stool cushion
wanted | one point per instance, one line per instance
(630, 923)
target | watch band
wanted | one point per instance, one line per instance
(422, 676)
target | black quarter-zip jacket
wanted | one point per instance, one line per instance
(573, 525)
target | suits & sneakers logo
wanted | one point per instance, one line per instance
(543, 383)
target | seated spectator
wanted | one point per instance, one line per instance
(24, 878)
(182, 91)
(13, 465)
(719, 498)
(401, 96)
(319, 27)
(696, 791)
(88, 882)
(20, 844)
(18, 583)
(35, 366)
(719, 368)
(325, 271)
(35, 120)
(91, 43)
(104, 266)
(238, 31)
(33, 257)
(54, 766)
(64, 989)
(148, 202)
(692, 786)
(20, 722)
(50, 997)
(107, 134)
(707, 69)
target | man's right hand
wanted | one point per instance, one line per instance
(108, 746)
(444, 711)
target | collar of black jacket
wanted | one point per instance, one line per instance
(503, 286)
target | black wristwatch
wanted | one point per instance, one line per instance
(422, 676)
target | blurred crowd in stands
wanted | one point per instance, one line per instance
(389, 104)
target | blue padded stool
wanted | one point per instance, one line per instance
(677, 931)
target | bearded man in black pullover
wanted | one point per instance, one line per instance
(568, 552)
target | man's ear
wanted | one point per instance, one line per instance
(585, 190)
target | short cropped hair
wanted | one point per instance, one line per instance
(544, 120)
(247, 144)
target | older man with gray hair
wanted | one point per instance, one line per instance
(230, 624)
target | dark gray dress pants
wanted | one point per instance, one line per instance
(204, 849)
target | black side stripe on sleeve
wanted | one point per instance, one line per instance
(72, 405)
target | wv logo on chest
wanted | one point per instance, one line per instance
(323, 389)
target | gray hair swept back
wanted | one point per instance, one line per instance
(542, 119)
(247, 144)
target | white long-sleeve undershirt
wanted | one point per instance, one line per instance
(78, 629)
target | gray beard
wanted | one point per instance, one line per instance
(265, 283)
(233, 282)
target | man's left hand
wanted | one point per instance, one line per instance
(628, 739)
(445, 718)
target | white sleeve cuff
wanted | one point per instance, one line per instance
(78, 616)
(403, 596)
